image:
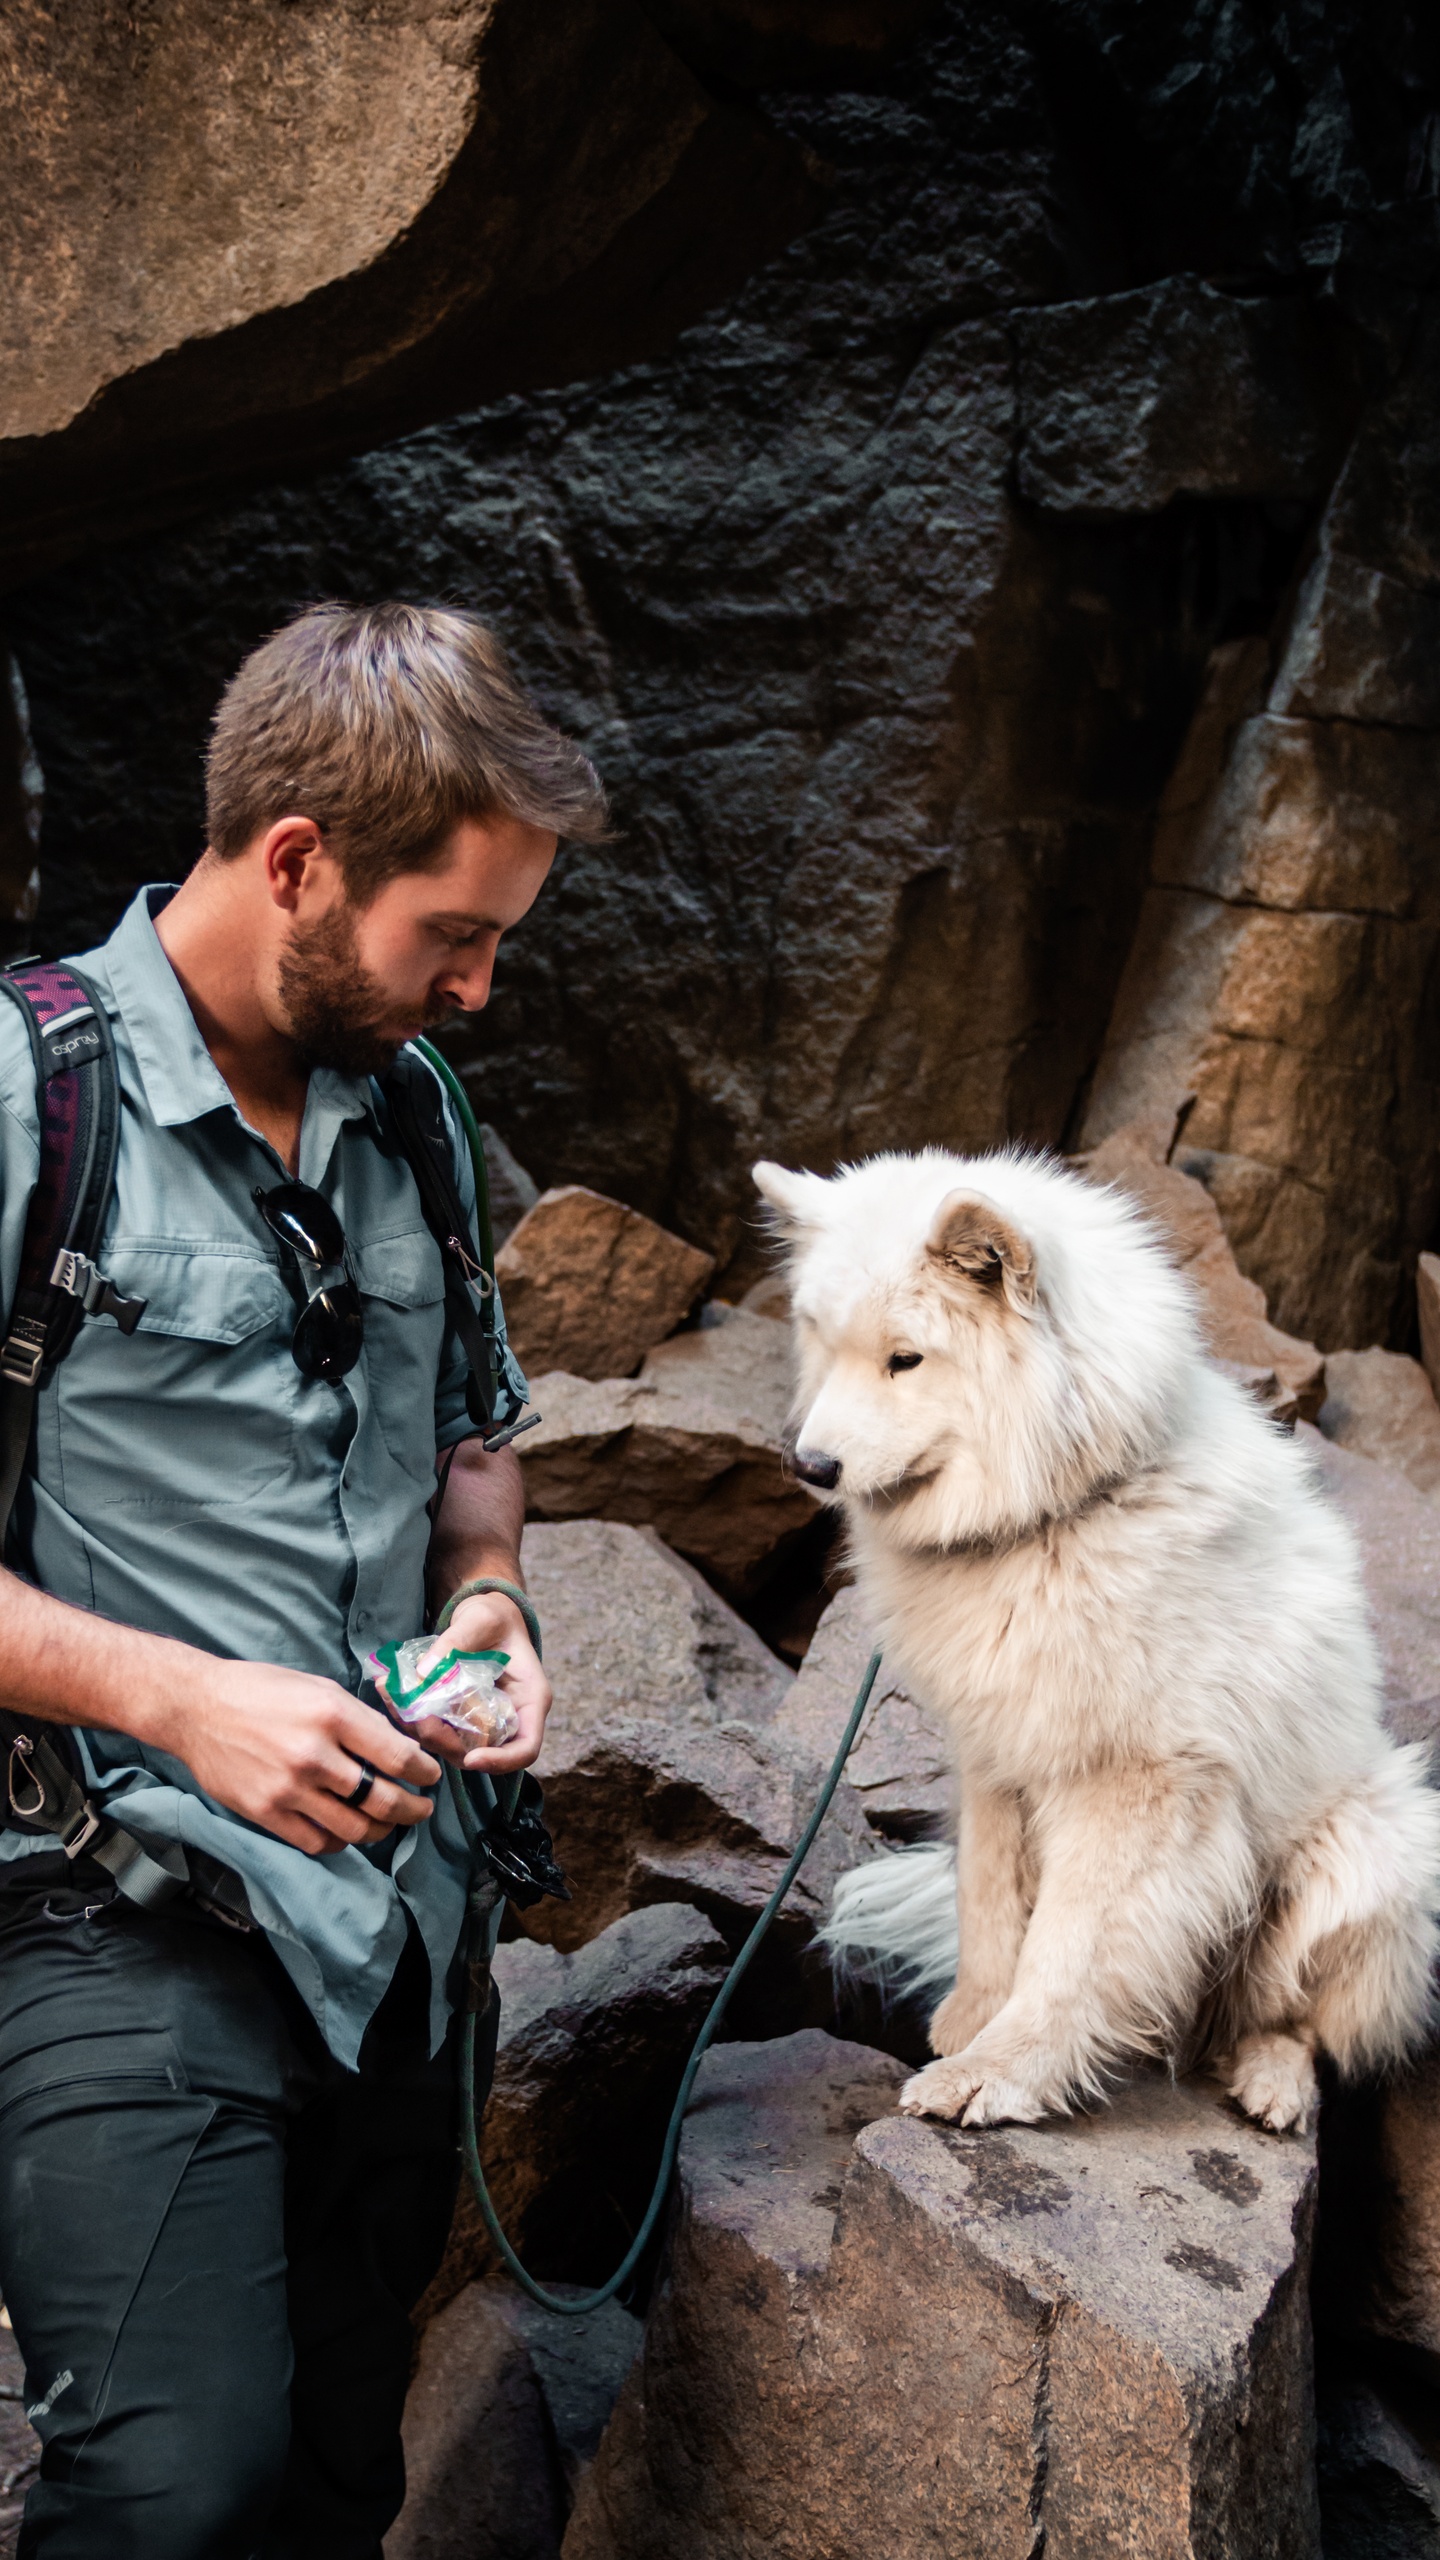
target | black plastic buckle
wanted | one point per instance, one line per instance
(78, 1276)
(520, 1852)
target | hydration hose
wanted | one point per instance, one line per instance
(486, 1894)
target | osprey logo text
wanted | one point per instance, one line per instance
(43, 2407)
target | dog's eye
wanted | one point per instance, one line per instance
(899, 1360)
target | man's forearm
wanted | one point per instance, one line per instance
(480, 1521)
(65, 1666)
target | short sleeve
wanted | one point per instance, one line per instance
(453, 1420)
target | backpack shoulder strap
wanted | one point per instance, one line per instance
(77, 1095)
(416, 1108)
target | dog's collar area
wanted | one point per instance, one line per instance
(1007, 1541)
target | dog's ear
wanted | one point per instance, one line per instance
(967, 1236)
(795, 1201)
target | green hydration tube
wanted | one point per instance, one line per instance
(476, 1144)
(574, 2306)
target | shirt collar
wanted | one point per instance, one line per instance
(178, 1076)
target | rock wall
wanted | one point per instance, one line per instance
(885, 600)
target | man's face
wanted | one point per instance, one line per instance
(356, 982)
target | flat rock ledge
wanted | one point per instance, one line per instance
(876, 2339)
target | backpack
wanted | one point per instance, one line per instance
(78, 1098)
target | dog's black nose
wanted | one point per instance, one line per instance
(813, 1467)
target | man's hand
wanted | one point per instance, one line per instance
(284, 1749)
(488, 1622)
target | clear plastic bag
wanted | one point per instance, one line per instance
(459, 1688)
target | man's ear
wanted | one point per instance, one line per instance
(796, 1201)
(969, 1240)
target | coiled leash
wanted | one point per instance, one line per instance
(488, 1889)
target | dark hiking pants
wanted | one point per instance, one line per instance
(210, 2238)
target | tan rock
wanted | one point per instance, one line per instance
(230, 237)
(1233, 1308)
(888, 2339)
(1382, 1405)
(590, 1286)
(693, 1448)
(1427, 1296)
(899, 1767)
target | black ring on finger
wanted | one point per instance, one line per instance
(362, 1787)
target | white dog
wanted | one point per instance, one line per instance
(1184, 1830)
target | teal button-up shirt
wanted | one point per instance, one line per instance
(189, 1480)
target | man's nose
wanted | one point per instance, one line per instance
(813, 1466)
(468, 988)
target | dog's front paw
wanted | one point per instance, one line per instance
(961, 2015)
(1273, 2078)
(956, 2088)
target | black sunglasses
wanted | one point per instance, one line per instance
(327, 1339)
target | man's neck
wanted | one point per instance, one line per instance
(209, 935)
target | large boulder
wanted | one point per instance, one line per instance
(899, 1766)
(232, 238)
(1398, 1531)
(590, 1286)
(592, 2045)
(885, 2339)
(504, 2416)
(1287, 1375)
(1381, 1405)
(693, 1447)
(632, 1630)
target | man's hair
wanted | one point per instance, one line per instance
(387, 724)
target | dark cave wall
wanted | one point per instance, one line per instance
(882, 602)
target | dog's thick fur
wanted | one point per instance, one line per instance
(1183, 1828)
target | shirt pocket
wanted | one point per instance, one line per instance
(402, 1281)
(194, 1411)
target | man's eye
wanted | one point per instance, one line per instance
(904, 1360)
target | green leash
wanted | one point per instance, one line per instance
(485, 1894)
(484, 1898)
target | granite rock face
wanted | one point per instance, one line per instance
(885, 734)
(879, 2337)
(590, 1286)
(693, 1447)
(1381, 1404)
(899, 1767)
(234, 238)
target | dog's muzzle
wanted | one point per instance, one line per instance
(813, 1467)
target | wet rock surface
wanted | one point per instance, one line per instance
(874, 2335)
(590, 1286)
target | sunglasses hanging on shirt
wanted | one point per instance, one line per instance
(327, 1339)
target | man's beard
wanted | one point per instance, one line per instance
(337, 1011)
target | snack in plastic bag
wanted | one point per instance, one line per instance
(459, 1688)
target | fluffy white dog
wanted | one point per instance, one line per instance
(1183, 1828)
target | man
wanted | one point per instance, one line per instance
(228, 2158)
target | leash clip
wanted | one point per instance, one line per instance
(20, 1749)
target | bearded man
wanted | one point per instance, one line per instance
(228, 2162)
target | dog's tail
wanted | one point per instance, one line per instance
(893, 1922)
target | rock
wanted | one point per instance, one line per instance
(21, 799)
(769, 1297)
(203, 274)
(1379, 2485)
(481, 2471)
(1282, 967)
(1382, 1405)
(592, 2045)
(1236, 1325)
(630, 1630)
(693, 1448)
(899, 1767)
(1135, 399)
(1427, 1295)
(503, 2419)
(1399, 1536)
(512, 1191)
(876, 2336)
(646, 1812)
(590, 1286)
